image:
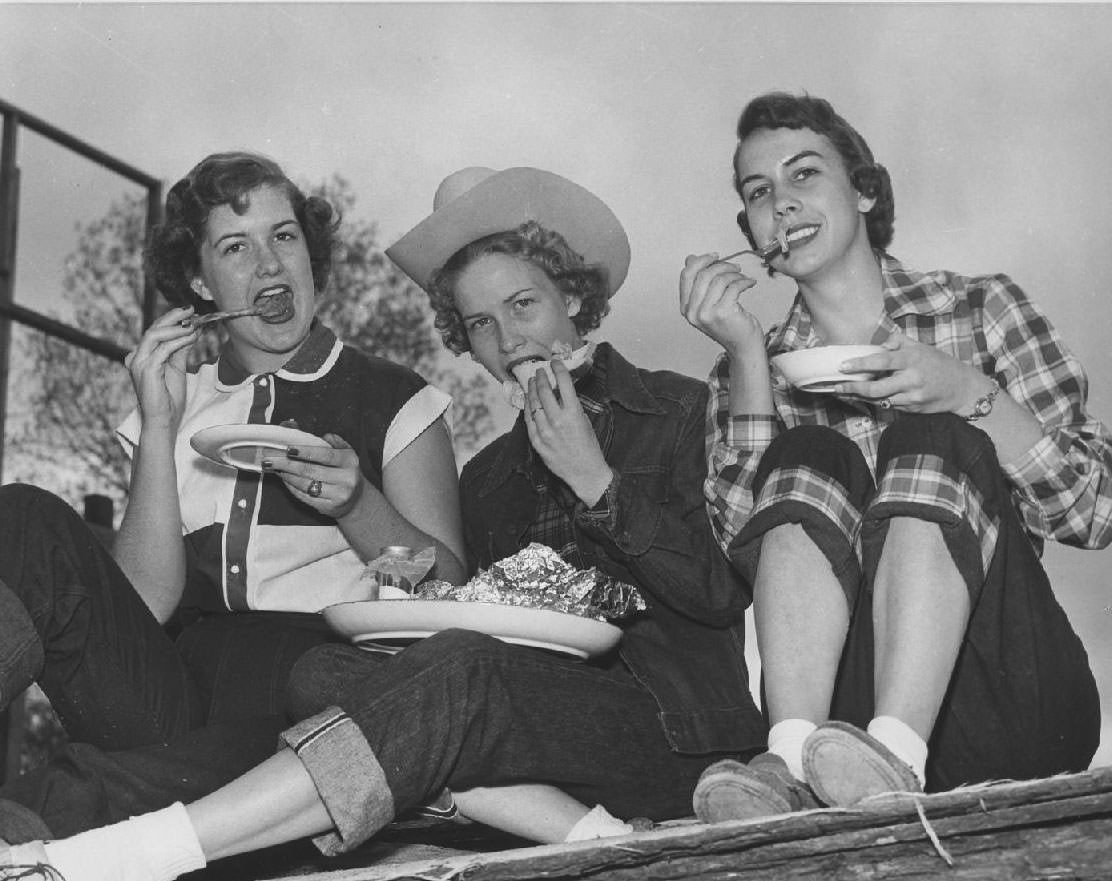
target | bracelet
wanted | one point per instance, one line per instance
(983, 405)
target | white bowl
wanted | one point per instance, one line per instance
(816, 370)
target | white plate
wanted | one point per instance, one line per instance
(387, 625)
(245, 446)
(816, 369)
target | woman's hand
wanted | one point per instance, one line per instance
(710, 299)
(922, 379)
(325, 478)
(158, 365)
(562, 434)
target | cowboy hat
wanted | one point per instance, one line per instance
(477, 202)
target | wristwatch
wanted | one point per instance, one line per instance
(983, 405)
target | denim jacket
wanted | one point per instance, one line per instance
(687, 649)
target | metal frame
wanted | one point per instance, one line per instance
(14, 118)
(11, 721)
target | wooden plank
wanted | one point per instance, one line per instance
(1041, 829)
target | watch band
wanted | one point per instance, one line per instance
(983, 405)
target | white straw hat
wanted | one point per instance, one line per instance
(477, 202)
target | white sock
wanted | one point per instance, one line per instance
(785, 739)
(158, 846)
(598, 823)
(908, 746)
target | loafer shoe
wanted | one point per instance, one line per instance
(845, 765)
(731, 790)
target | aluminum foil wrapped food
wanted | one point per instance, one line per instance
(538, 578)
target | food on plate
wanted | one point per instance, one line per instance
(538, 578)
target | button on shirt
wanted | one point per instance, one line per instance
(1060, 487)
(249, 543)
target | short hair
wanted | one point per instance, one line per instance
(172, 256)
(783, 110)
(541, 247)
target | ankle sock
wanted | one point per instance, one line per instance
(907, 745)
(158, 846)
(598, 823)
(785, 739)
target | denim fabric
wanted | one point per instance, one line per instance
(348, 777)
(687, 649)
(460, 709)
(119, 683)
(1022, 701)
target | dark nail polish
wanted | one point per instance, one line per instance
(266, 464)
(293, 452)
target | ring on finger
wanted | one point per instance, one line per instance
(315, 489)
(885, 403)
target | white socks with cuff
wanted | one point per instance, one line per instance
(907, 746)
(158, 846)
(598, 823)
(785, 739)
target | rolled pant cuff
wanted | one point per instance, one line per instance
(348, 777)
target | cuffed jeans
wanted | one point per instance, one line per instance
(1022, 700)
(460, 710)
(151, 720)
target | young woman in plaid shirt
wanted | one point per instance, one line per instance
(890, 531)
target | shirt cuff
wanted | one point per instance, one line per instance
(604, 512)
(748, 432)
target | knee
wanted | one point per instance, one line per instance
(819, 448)
(942, 434)
(317, 678)
(465, 648)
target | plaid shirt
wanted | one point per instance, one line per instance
(1061, 486)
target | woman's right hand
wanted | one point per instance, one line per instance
(710, 299)
(158, 366)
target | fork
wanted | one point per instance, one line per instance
(767, 252)
(202, 320)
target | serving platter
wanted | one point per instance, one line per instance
(389, 625)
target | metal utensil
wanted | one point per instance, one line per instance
(202, 320)
(766, 253)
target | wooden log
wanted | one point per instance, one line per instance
(1036, 830)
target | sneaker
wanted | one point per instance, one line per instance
(845, 765)
(730, 790)
(28, 862)
(442, 809)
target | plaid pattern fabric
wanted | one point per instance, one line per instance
(1060, 487)
(925, 480)
(817, 490)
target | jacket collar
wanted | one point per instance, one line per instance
(621, 385)
(312, 360)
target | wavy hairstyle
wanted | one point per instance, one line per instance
(541, 247)
(172, 256)
(783, 110)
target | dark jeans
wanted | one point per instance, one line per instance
(460, 709)
(1022, 701)
(133, 701)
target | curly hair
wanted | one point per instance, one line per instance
(541, 247)
(172, 256)
(783, 110)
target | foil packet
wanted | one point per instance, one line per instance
(538, 578)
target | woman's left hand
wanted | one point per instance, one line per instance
(922, 379)
(325, 478)
(562, 434)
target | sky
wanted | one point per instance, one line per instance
(993, 120)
